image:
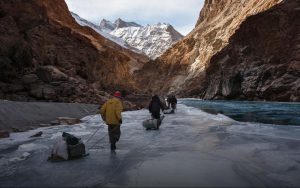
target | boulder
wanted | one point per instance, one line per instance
(36, 91)
(38, 134)
(17, 130)
(49, 93)
(51, 73)
(29, 78)
(43, 92)
(67, 90)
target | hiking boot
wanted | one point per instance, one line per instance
(113, 147)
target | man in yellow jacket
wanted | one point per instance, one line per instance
(111, 114)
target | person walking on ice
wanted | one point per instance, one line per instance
(172, 101)
(155, 106)
(111, 114)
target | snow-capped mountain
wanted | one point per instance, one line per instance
(152, 40)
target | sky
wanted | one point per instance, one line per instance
(182, 14)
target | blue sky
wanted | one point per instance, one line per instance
(182, 14)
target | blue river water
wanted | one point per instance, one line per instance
(248, 111)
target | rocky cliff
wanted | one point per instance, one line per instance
(262, 59)
(46, 55)
(267, 31)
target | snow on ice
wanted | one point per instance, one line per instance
(192, 148)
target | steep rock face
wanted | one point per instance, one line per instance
(218, 21)
(46, 55)
(185, 68)
(262, 59)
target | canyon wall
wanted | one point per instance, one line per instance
(262, 59)
(45, 55)
(226, 55)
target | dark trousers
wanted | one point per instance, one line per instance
(173, 106)
(155, 115)
(114, 132)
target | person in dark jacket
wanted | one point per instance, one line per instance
(172, 101)
(155, 106)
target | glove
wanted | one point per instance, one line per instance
(120, 121)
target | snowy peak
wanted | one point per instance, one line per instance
(119, 23)
(167, 28)
(109, 26)
(106, 25)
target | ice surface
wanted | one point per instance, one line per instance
(192, 148)
(31, 147)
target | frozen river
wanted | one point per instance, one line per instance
(192, 148)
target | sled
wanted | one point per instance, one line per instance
(67, 148)
(151, 124)
(169, 111)
(76, 151)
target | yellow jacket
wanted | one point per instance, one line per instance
(111, 111)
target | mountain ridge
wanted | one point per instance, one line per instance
(152, 40)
